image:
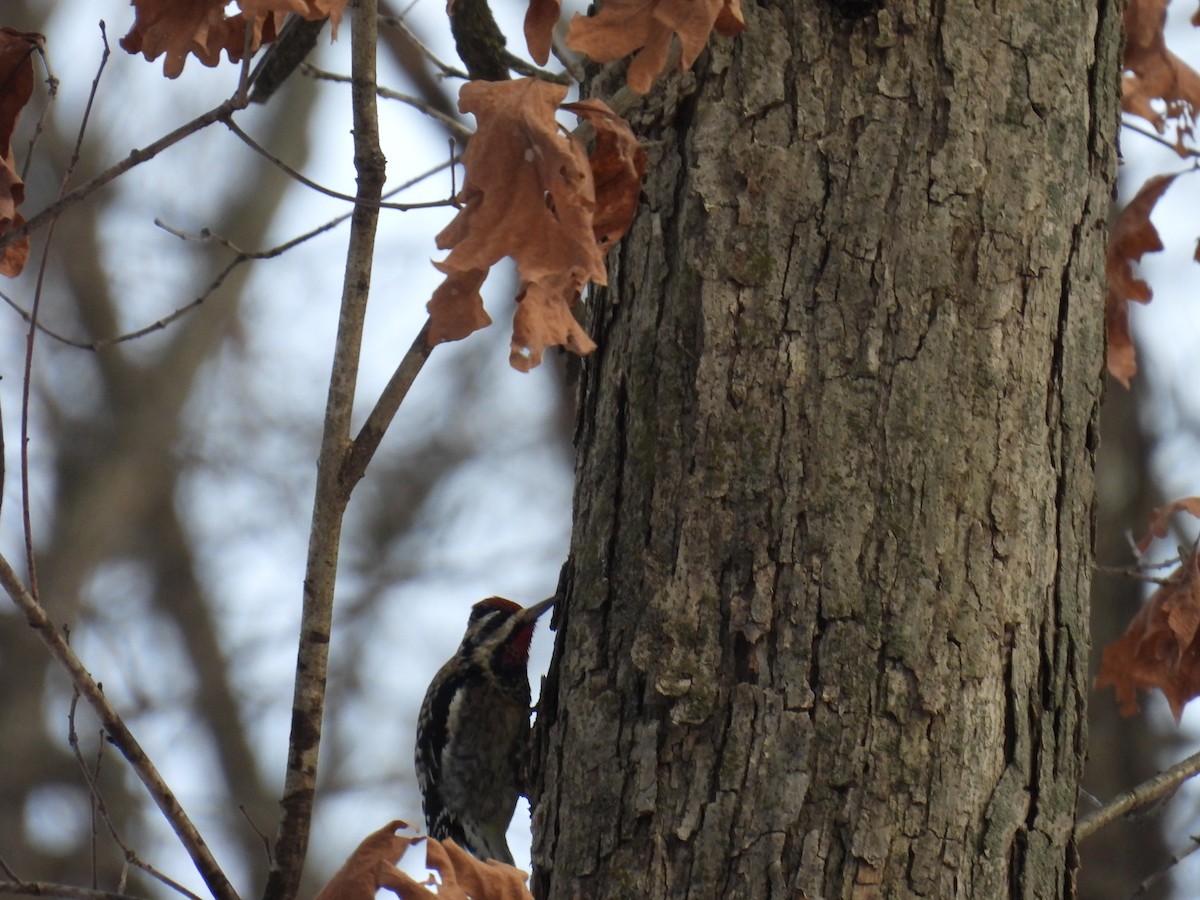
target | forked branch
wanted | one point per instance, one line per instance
(332, 492)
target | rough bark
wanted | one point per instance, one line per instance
(825, 628)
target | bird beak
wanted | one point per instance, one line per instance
(530, 613)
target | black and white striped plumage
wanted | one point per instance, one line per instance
(473, 730)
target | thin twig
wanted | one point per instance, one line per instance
(417, 103)
(331, 496)
(97, 804)
(266, 841)
(90, 777)
(48, 332)
(571, 61)
(529, 70)
(376, 425)
(118, 734)
(99, 808)
(1176, 148)
(1143, 795)
(51, 95)
(447, 70)
(242, 256)
(243, 88)
(308, 182)
(135, 158)
(31, 335)
(1176, 858)
(1136, 574)
(48, 889)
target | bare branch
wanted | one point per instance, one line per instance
(47, 889)
(135, 158)
(1144, 794)
(295, 41)
(99, 807)
(332, 495)
(1131, 122)
(1176, 858)
(31, 335)
(119, 734)
(89, 775)
(530, 70)
(447, 70)
(367, 442)
(571, 61)
(308, 182)
(1136, 574)
(52, 93)
(243, 88)
(266, 841)
(451, 124)
(242, 256)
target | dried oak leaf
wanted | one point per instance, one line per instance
(371, 866)
(308, 9)
(543, 319)
(618, 165)
(456, 309)
(463, 876)
(1132, 235)
(16, 87)
(1158, 520)
(623, 27)
(540, 19)
(196, 27)
(1159, 649)
(529, 194)
(1152, 72)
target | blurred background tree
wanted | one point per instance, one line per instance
(172, 476)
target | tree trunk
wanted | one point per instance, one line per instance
(825, 627)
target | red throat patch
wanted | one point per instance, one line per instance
(516, 652)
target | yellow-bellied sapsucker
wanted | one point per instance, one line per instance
(473, 730)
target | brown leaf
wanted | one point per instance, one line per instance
(309, 9)
(1132, 235)
(16, 87)
(618, 166)
(456, 309)
(730, 21)
(372, 866)
(540, 19)
(528, 190)
(1152, 72)
(528, 194)
(463, 876)
(1158, 521)
(623, 27)
(196, 27)
(544, 319)
(1159, 648)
